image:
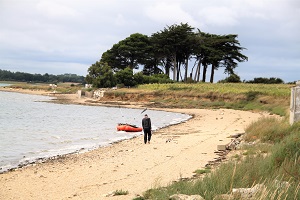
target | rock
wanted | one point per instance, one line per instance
(246, 193)
(282, 184)
(221, 147)
(185, 197)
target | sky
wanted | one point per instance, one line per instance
(68, 36)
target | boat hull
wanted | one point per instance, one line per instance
(129, 128)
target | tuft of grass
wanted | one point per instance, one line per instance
(251, 95)
(120, 192)
(202, 171)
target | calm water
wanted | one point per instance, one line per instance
(31, 128)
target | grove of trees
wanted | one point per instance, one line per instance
(6, 75)
(169, 52)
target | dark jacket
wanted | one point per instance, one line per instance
(146, 123)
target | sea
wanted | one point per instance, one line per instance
(32, 128)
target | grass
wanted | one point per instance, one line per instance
(120, 192)
(203, 171)
(269, 129)
(223, 88)
(273, 98)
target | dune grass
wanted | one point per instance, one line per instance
(273, 98)
(278, 90)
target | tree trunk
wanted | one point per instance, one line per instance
(175, 68)
(178, 75)
(186, 69)
(212, 73)
(204, 73)
(168, 66)
(197, 74)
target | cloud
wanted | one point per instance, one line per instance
(52, 9)
(70, 35)
(218, 16)
(169, 13)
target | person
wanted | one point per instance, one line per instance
(146, 124)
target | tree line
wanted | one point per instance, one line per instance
(169, 52)
(6, 75)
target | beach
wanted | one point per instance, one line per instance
(175, 152)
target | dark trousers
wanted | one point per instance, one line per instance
(147, 135)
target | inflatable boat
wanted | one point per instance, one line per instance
(128, 128)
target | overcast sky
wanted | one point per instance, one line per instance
(67, 36)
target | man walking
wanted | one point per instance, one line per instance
(146, 123)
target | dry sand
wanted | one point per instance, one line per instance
(175, 152)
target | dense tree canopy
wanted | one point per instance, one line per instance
(6, 75)
(101, 75)
(129, 52)
(262, 80)
(170, 50)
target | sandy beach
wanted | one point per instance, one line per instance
(175, 152)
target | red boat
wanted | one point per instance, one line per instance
(129, 128)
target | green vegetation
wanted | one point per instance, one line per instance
(102, 76)
(262, 80)
(275, 90)
(203, 171)
(120, 192)
(38, 78)
(273, 98)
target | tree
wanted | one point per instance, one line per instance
(226, 52)
(204, 52)
(100, 75)
(125, 77)
(233, 78)
(233, 54)
(217, 51)
(262, 80)
(174, 43)
(129, 52)
(172, 48)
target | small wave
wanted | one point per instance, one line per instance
(5, 168)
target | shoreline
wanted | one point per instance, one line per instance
(175, 152)
(65, 99)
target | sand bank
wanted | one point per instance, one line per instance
(175, 152)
